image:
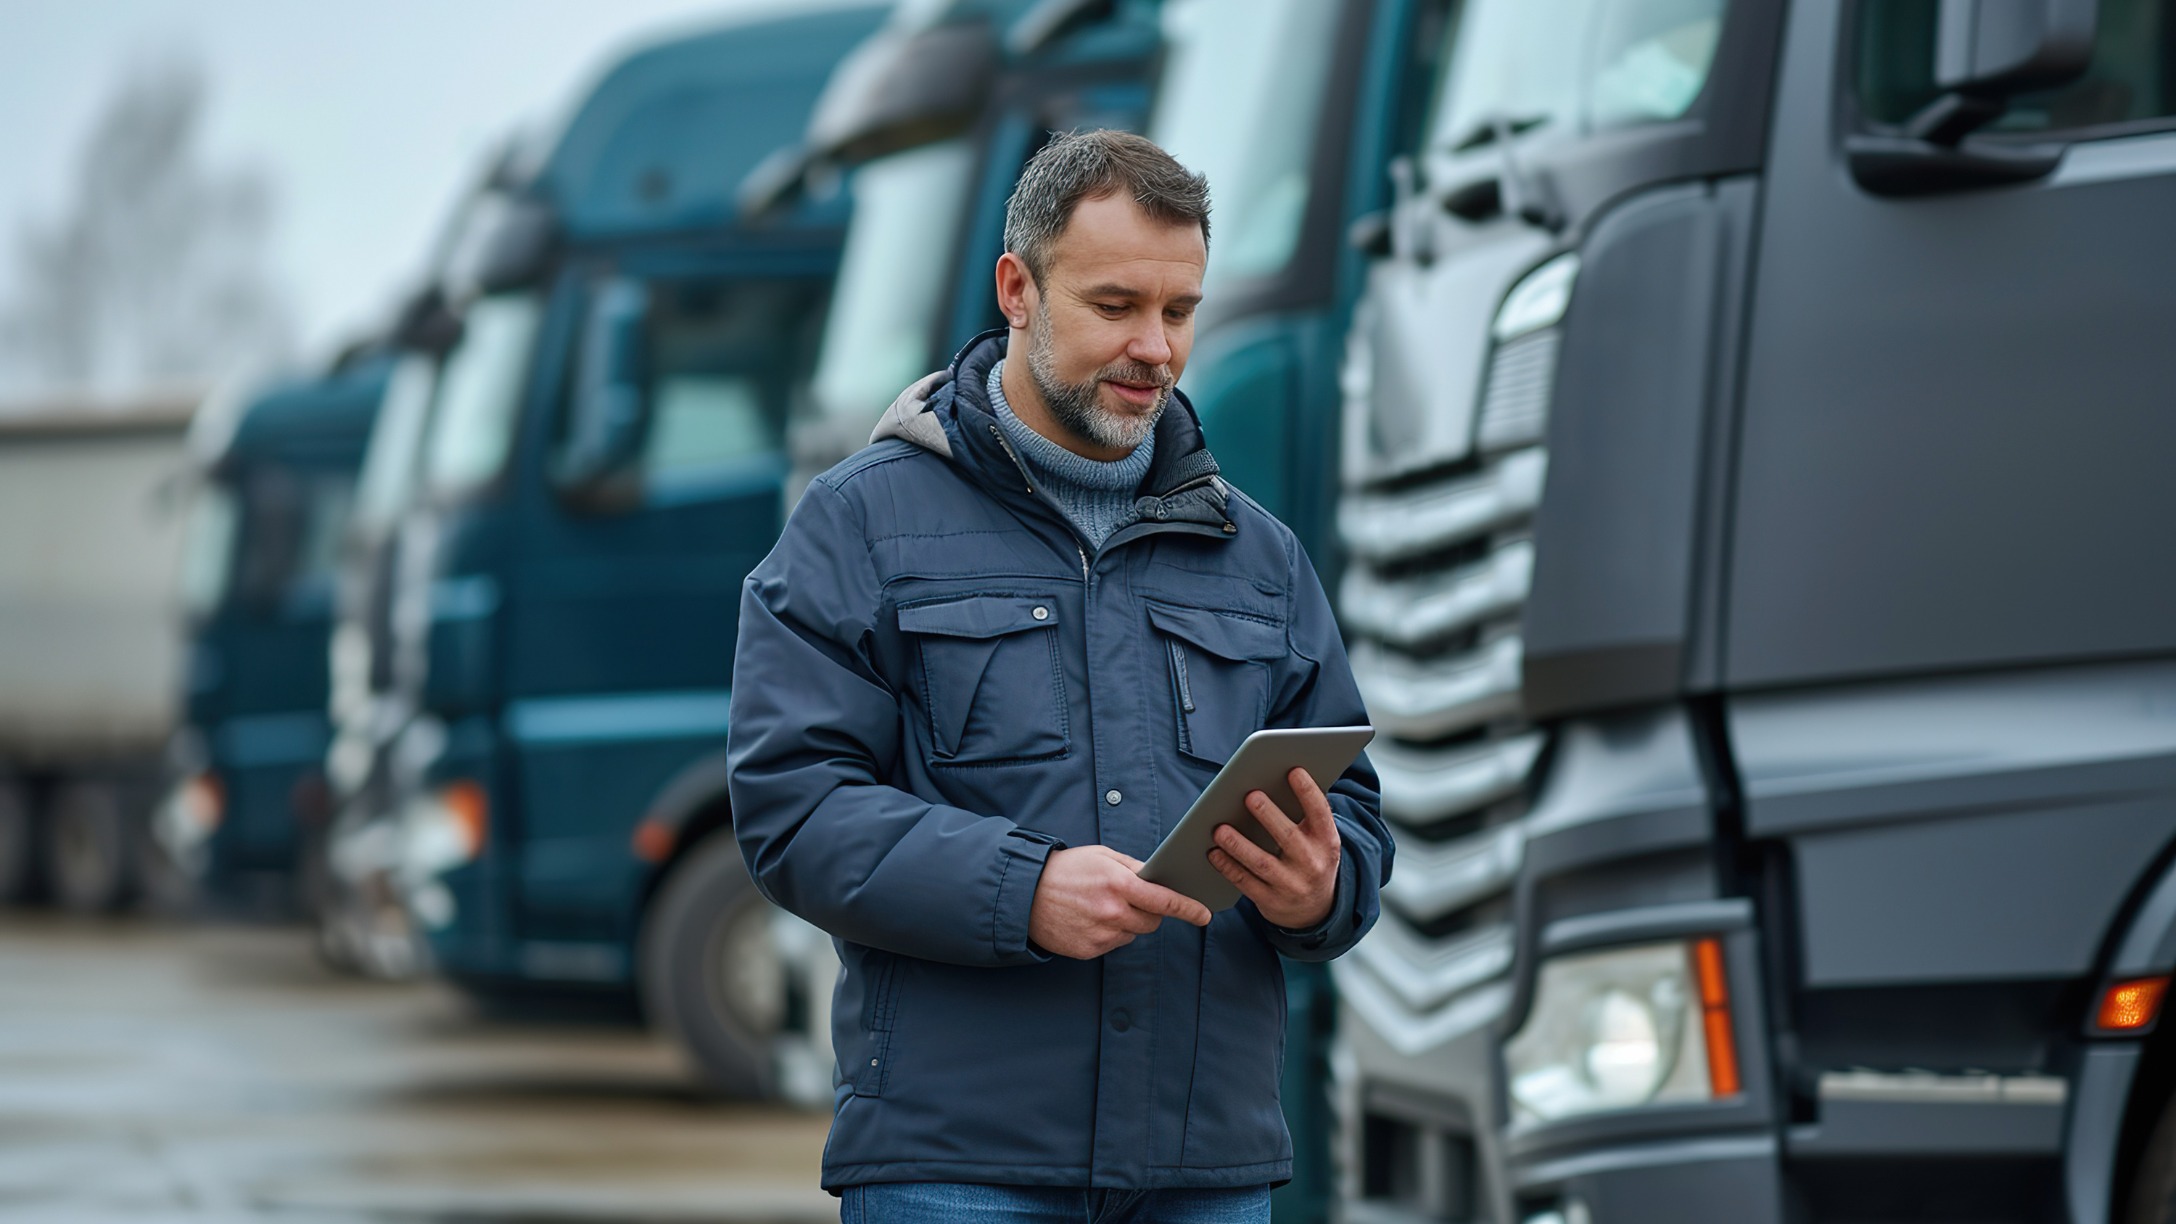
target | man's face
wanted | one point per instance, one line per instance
(1109, 333)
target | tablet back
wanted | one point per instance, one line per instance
(1181, 863)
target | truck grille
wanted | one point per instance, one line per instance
(1439, 565)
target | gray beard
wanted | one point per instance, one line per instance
(1075, 405)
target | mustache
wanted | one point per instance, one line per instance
(1135, 372)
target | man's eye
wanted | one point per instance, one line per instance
(1110, 309)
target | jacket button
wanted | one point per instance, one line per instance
(1112, 797)
(1120, 1020)
(1041, 613)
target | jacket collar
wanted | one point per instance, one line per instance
(948, 413)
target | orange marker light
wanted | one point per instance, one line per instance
(653, 841)
(2132, 1005)
(471, 811)
(1722, 1042)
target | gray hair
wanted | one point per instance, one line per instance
(1078, 166)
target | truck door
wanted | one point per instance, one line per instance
(627, 589)
(1955, 429)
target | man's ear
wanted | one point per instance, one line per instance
(1015, 289)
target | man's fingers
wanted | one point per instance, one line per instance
(1140, 921)
(1161, 902)
(1319, 820)
(1272, 818)
(1249, 884)
(1132, 863)
(1256, 860)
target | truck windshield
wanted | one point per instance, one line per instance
(892, 277)
(1570, 67)
(1240, 102)
(291, 521)
(208, 546)
(396, 435)
(474, 425)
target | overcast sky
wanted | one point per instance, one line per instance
(368, 117)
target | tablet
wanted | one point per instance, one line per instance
(1181, 863)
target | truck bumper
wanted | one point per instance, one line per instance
(1703, 1180)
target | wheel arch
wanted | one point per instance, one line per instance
(2122, 1088)
(686, 812)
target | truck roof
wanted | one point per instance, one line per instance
(328, 411)
(670, 130)
(165, 412)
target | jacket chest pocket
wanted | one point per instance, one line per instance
(990, 677)
(1220, 674)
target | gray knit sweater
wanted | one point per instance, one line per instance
(1096, 495)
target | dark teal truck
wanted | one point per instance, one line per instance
(603, 464)
(360, 921)
(1757, 530)
(274, 481)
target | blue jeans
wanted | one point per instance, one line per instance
(949, 1203)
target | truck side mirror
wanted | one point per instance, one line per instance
(1985, 53)
(609, 415)
(2003, 47)
(903, 89)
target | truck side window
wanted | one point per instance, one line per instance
(726, 362)
(2130, 86)
(1635, 62)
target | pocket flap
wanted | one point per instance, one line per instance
(1226, 637)
(980, 616)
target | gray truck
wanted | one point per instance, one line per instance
(1761, 563)
(91, 524)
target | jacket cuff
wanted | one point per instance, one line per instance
(1334, 928)
(1020, 858)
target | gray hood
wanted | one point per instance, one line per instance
(909, 416)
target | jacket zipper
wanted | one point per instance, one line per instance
(1178, 673)
(1025, 479)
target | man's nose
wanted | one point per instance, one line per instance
(1150, 343)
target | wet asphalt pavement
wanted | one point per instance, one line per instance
(152, 1071)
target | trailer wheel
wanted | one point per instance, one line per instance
(711, 973)
(2152, 1199)
(91, 853)
(18, 842)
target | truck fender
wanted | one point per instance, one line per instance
(686, 809)
(2103, 1115)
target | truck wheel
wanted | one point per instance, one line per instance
(2153, 1187)
(18, 843)
(711, 973)
(91, 856)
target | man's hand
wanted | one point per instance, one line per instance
(1295, 887)
(1089, 902)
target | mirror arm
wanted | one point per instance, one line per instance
(1950, 118)
(1901, 166)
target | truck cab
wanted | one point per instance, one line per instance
(601, 468)
(488, 243)
(1753, 569)
(275, 486)
(934, 116)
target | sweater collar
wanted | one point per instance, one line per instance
(948, 413)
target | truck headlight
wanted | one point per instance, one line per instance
(1621, 1028)
(445, 828)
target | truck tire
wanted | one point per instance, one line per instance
(711, 974)
(18, 843)
(91, 852)
(2152, 1199)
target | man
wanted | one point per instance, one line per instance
(993, 659)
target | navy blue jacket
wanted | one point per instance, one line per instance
(937, 683)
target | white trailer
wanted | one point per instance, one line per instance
(91, 527)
